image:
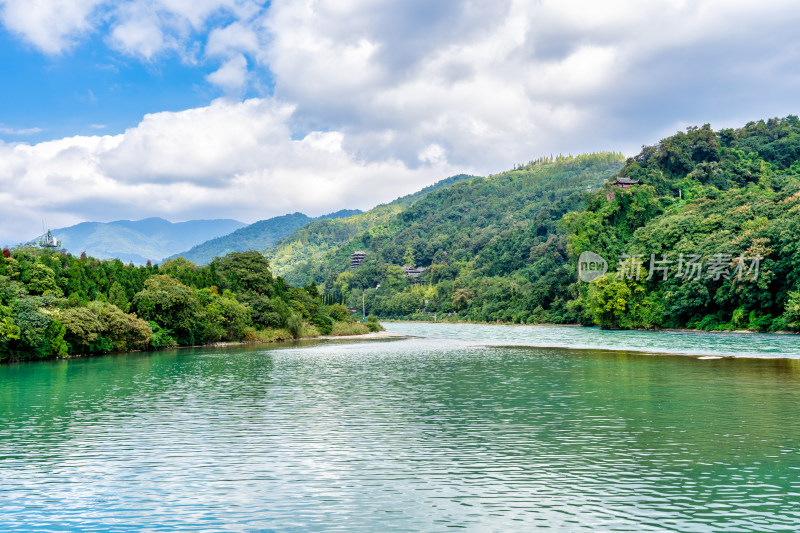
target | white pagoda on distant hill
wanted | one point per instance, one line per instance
(49, 241)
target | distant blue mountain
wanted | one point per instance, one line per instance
(257, 236)
(138, 241)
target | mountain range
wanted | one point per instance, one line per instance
(157, 240)
(139, 241)
(257, 236)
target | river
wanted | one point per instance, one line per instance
(479, 428)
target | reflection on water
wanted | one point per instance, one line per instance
(406, 435)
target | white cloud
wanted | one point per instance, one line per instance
(205, 145)
(147, 28)
(232, 39)
(371, 98)
(52, 26)
(232, 75)
(142, 28)
(228, 159)
(5, 130)
(502, 82)
(139, 33)
(432, 154)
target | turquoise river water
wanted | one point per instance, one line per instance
(474, 428)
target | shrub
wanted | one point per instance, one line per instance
(709, 323)
(791, 315)
(759, 322)
(339, 313)
(295, 325)
(161, 337)
(323, 322)
(350, 328)
(738, 318)
(372, 323)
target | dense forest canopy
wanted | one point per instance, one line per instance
(731, 195)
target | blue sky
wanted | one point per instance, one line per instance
(243, 109)
(88, 91)
(88, 87)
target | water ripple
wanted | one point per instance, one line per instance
(411, 435)
(725, 344)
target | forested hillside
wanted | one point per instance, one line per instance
(294, 256)
(705, 237)
(491, 247)
(717, 214)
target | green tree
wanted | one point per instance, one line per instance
(246, 272)
(227, 319)
(42, 280)
(182, 269)
(409, 258)
(173, 305)
(82, 328)
(622, 302)
(294, 324)
(41, 335)
(792, 314)
(119, 297)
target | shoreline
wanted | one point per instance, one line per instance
(698, 356)
(371, 336)
(548, 324)
(389, 335)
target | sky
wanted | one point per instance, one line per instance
(199, 109)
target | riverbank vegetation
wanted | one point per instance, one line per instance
(53, 304)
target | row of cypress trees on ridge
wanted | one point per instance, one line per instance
(53, 304)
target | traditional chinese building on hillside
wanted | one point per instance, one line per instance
(356, 259)
(622, 183)
(625, 183)
(412, 272)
